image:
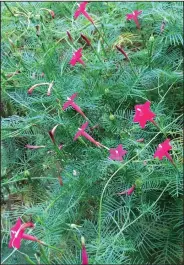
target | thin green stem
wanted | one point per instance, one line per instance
(49, 246)
(27, 257)
(161, 130)
(167, 92)
(13, 181)
(102, 39)
(150, 54)
(96, 54)
(9, 256)
(131, 66)
(9, 9)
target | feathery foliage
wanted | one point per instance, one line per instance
(144, 228)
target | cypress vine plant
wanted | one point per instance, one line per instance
(91, 133)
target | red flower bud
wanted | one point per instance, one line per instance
(86, 39)
(122, 51)
(52, 13)
(69, 35)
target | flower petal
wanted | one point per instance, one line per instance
(29, 237)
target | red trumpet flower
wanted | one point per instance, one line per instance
(77, 57)
(84, 252)
(128, 191)
(162, 150)
(17, 234)
(144, 114)
(81, 10)
(117, 153)
(134, 16)
(122, 51)
(71, 103)
(81, 132)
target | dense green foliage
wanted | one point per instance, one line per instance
(144, 228)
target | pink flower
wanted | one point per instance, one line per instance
(17, 234)
(86, 39)
(81, 132)
(71, 103)
(34, 146)
(84, 252)
(134, 16)
(117, 153)
(162, 150)
(81, 10)
(128, 191)
(69, 35)
(77, 57)
(143, 114)
(122, 51)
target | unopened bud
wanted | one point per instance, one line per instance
(106, 91)
(26, 173)
(138, 182)
(37, 17)
(52, 13)
(74, 172)
(151, 39)
(74, 226)
(82, 240)
(111, 117)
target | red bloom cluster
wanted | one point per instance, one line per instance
(143, 114)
